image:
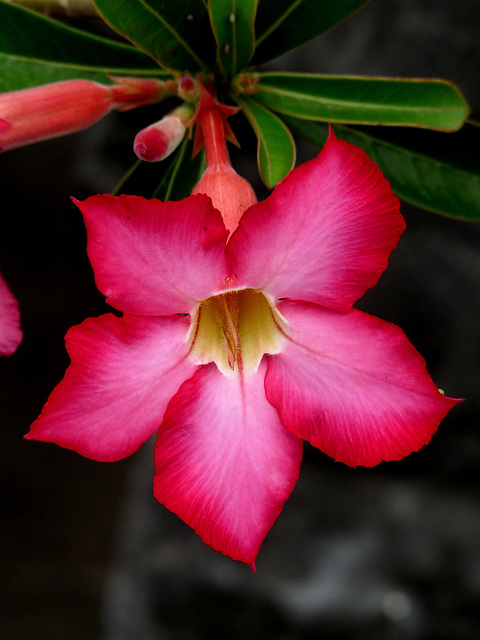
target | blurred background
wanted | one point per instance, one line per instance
(391, 553)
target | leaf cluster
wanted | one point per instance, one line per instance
(232, 39)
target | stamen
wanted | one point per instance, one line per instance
(229, 326)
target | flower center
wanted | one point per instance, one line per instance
(235, 329)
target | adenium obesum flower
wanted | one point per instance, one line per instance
(10, 333)
(57, 109)
(236, 348)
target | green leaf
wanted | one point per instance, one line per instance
(283, 25)
(170, 179)
(276, 147)
(433, 104)
(233, 26)
(35, 50)
(176, 34)
(437, 171)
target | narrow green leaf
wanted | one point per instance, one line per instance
(170, 179)
(233, 26)
(432, 104)
(437, 171)
(176, 34)
(283, 25)
(276, 147)
(35, 50)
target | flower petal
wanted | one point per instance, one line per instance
(353, 386)
(10, 332)
(116, 390)
(324, 235)
(152, 257)
(223, 461)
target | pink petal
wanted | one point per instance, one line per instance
(324, 235)
(223, 461)
(353, 386)
(10, 332)
(116, 390)
(152, 257)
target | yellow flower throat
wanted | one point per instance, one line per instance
(235, 329)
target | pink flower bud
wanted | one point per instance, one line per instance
(53, 110)
(159, 140)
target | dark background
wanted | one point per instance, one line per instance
(391, 553)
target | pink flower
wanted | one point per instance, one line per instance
(10, 332)
(53, 110)
(237, 348)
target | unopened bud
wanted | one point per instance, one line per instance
(57, 109)
(189, 89)
(160, 139)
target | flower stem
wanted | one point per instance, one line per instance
(213, 129)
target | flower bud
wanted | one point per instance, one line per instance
(53, 110)
(160, 139)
